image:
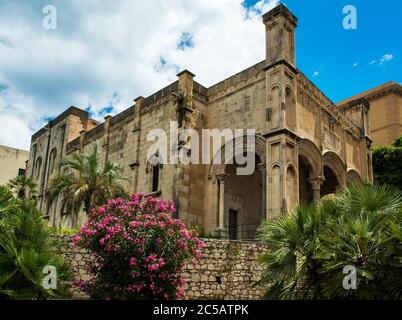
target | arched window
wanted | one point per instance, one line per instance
(290, 109)
(38, 167)
(52, 161)
(291, 188)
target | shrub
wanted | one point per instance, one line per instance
(140, 249)
(25, 249)
(387, 164)
(360, 227)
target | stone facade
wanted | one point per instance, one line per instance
(306, 147)
(385, 120)
(228, 269)
(12, 163)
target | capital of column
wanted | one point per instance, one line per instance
(221, 177)
(317, 182)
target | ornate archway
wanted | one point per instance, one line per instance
(217, 166)
(310, 171)
(241, 198)
(353, 177)
(334, 173)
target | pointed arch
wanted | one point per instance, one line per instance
(312, 154)
(353, 177)
(218, 165)
(290, 108)
(333, 161)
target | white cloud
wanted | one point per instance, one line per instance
(107, 49)
(315, 74)
(385, 58)
(355, 64)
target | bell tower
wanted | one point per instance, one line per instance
(280, 26)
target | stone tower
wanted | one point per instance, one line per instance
(281, 140)
(280, 26)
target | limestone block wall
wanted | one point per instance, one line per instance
(228, 269)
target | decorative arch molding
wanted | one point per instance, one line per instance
(274, 165)
(52, 161)
(218, 166)
(353, 177)
(290, 107)
(274, 85)
(310, 151)
(37, 168)
(289, 87)
(292, 194)
(291, 165)
(333, 161)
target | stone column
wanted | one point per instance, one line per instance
(262, 168)
(221, 204)
(137, 130)
(316, 186)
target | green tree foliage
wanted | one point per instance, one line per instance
(361, 227)
(86, 182)
(23, 187)
(25, 249)
(387, 164)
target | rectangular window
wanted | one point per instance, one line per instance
(155, 178)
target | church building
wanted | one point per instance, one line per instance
(305, 146)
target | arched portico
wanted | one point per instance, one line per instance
(241, 197)
(334, 173)
(310, 171)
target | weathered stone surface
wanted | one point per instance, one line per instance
(233, 275)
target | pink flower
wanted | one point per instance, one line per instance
(133, 261)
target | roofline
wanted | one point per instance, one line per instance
(2, 146)
(373, 92)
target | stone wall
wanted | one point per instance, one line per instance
(228, 269)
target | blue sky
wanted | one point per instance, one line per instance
(105, 53)
(323, 45)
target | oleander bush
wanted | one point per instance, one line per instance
(140, 249)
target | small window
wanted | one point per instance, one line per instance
(21, 172)
(155, 178)
(52, 163)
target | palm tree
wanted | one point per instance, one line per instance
(291, 270)
(7, 203)
(85, 182)
(25, 248)
(360, 227)
(366, 235)
(23, 187)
